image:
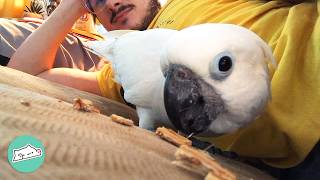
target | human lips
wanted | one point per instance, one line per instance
(121, 13)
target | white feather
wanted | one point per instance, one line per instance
(135, 57)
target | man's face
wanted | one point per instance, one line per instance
(128, 14)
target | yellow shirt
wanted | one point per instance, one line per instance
(290, 127)
(108, 86)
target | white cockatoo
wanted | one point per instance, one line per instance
(207, 79)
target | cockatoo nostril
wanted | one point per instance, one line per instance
(180, 73)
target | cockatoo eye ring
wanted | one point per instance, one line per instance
(221, 66)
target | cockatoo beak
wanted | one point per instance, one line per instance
(191, 103)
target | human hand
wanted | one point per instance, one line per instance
(73, 6)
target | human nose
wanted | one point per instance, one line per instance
(113, 4)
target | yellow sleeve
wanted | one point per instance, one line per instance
(108, 86)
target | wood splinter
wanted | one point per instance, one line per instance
(84, 105)
(172, 137)
(121, 120)
(201, 162)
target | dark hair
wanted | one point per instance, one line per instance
(155, 7)
(53, 4)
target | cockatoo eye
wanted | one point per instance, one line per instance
(221, 65)
(225, 63)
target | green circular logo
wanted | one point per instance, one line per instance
(26, 154)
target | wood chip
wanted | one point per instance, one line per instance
(172, 137)
(84, 105)
(25, 103)
(197, 158)
(211, 176)
(121, 120)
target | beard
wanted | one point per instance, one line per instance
(153, 9)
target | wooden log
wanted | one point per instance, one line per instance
(25, 81)
(88, 145)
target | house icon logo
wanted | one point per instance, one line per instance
(26, 154)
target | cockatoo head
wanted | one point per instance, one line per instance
(216, 78)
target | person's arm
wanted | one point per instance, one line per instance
(82, 80)
(37, 52)
(100, 82)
